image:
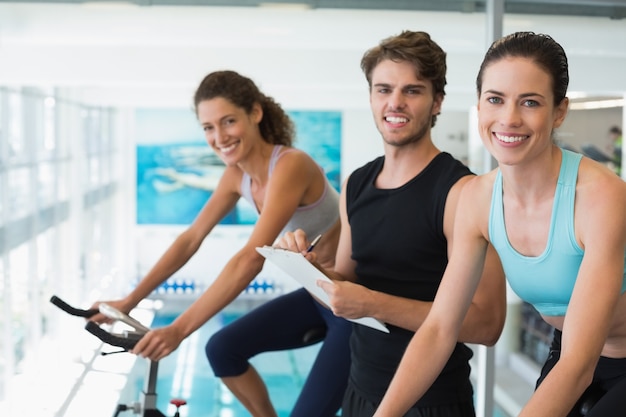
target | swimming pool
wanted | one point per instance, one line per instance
(186, 374)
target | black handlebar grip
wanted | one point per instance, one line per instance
(72, 310)
(123, 342)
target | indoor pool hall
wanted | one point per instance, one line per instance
(159, 156)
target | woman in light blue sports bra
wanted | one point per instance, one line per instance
(558, 223)
(252, 135)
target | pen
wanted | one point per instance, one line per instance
(315, 242)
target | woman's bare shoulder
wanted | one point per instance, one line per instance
(295, 158)
(479, 186)
(595, 179)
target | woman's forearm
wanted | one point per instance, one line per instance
(232, 280)
(423, 360)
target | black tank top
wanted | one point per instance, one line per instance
(399, 248)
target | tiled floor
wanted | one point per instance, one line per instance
(186, 374)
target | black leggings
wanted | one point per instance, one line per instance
(280, 324)
(608, 387)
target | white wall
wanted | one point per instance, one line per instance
(360, 141)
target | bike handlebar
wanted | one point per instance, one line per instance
(126, 341)
(72, 310)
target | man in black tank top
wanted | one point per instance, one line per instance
(397, 217)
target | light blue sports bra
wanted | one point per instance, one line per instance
(545, 281)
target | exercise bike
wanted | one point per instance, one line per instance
(146, 406)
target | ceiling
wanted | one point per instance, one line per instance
(125, 54)
(613, 9)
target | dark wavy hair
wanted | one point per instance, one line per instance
(540, 48)
(416, 48)
(276, 127)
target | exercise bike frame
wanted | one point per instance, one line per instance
(146, 406)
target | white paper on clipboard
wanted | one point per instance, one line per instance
(297, 267)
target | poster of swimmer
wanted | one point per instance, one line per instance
(177, 170)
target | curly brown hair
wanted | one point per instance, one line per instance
(276, 127)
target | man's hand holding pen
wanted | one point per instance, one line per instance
(297, 241)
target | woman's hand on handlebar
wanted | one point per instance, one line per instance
(158, 343)
(101, 318)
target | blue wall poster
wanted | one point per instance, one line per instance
(177, 170)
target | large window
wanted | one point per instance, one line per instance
(57, 225)
(15, 127)
(19, 192)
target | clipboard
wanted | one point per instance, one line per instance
(300, 269)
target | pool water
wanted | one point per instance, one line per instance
(186, 374)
